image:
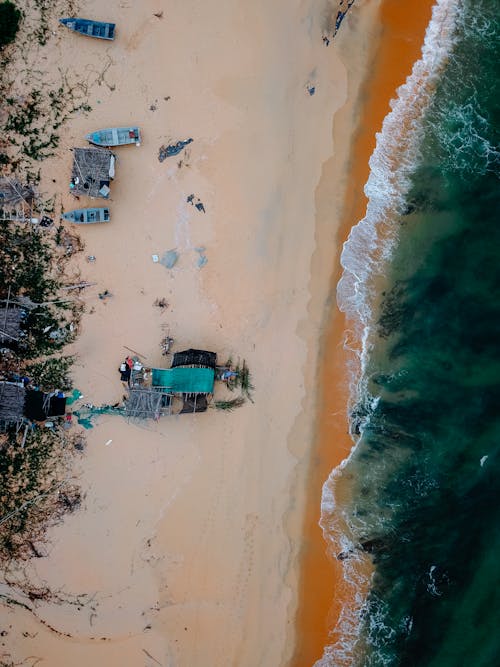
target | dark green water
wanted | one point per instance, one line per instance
(427, 463)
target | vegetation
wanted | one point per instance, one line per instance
(51, 373)
(230, 404)
(34, 490)
(34, 461)
(10, 18)
(241, 379)
(35, 117)
(28, 267)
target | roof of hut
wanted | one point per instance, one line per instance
(93, 170)
(10, 324)
(12, 397)
(194, 357)
(184, 380)
(146, 404)
(12, 192)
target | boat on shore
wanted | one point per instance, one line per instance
(97, 29)
(87, 216)
(115, 136)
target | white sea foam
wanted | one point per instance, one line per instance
(363, 259)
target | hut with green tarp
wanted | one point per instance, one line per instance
(191, 378)
(184, 380)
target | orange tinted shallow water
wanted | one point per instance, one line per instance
(402, 33)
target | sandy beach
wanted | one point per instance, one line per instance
(186, 548)
(198, 537)
(396, 37)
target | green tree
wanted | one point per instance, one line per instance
(10, 16)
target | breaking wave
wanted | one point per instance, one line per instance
(364, 259)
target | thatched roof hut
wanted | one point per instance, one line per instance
(192, 357)
(13, 193)
(93, 170)
(12, 397)
(10, 324)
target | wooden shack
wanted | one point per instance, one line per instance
(93, 171)
(16, 200)
(10, 324)
(190, 379)
(12, 399)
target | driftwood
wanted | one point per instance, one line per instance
(79, 286)
(152, 658)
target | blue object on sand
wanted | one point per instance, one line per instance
(89, 28)
(172, 149)
(169, 258)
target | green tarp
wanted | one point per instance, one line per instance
(181, 380)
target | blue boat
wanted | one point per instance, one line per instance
(87, 216)
(115, 136)
(90, 28)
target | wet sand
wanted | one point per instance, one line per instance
(396, 38)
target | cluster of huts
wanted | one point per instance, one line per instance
(20, 402)
(188, 384)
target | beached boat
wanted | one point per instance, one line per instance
(89, 28)
(115, 136)
(87, 216)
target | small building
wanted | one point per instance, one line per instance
(191, 378)
(191, 357)
(16, 200)
(12, 192)
(19, 405)
(147, 403)
(38, 405)
(12, 399)
(93, 171)
(10, 324)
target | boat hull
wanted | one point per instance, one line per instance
(88, 28)
(115, 136)
(87, 216)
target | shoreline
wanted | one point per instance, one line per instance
(401, 31)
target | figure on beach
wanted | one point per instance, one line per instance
(125, 371)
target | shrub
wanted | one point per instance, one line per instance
(10, 16)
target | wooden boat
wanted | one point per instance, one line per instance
(87, 216)
(90, 28)
(115, 136)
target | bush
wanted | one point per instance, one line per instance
(52, 373)
(10, 16)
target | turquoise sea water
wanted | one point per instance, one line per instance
(426, 394)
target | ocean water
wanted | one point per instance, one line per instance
(421, 285)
